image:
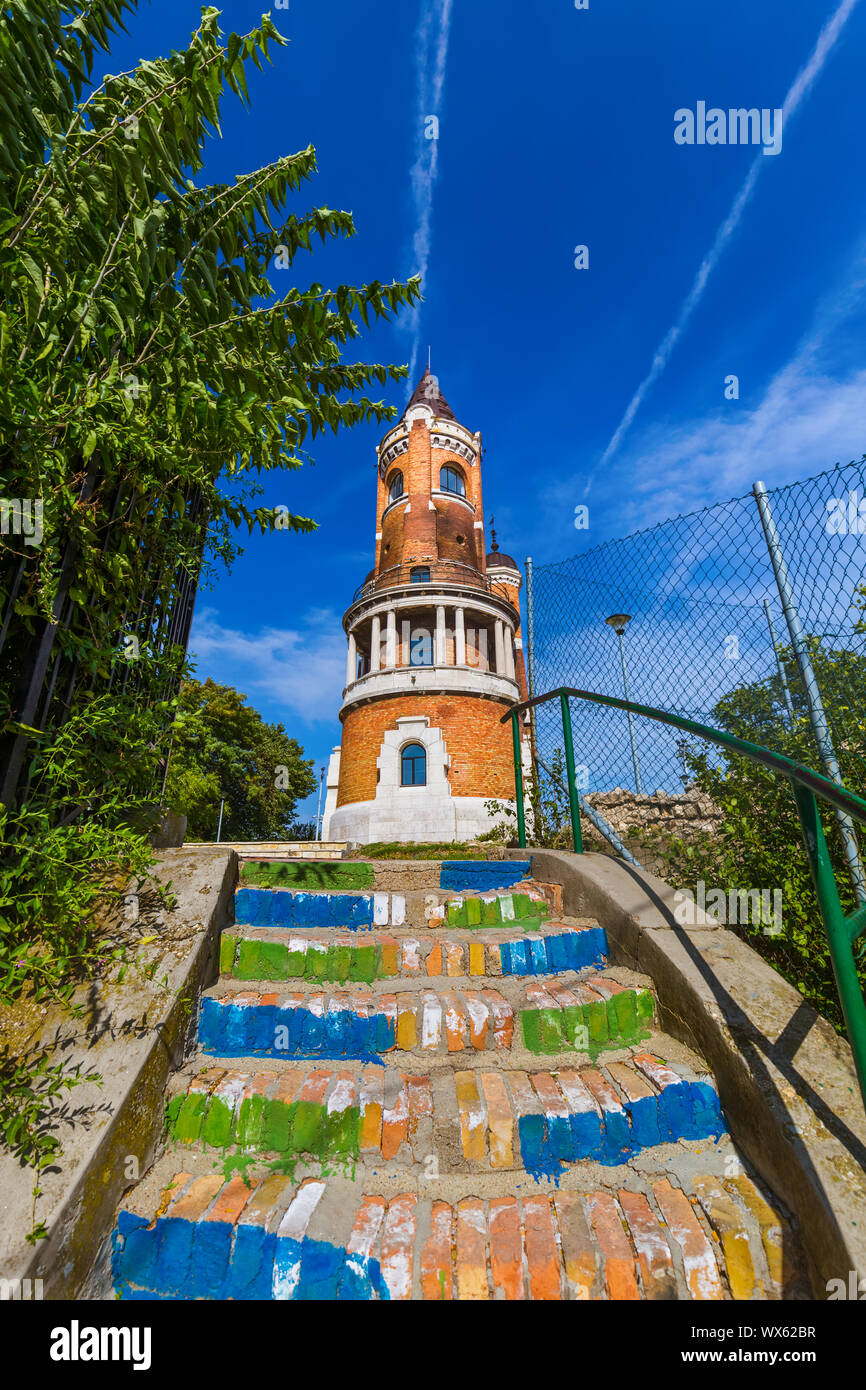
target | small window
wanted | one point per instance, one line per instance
(419, 574)
(395, 487)
(413, 766)
(452, 481)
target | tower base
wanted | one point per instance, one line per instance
(404, 814)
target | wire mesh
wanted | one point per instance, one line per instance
(708, 637)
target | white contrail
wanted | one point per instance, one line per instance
(799, 89)
(431, 54)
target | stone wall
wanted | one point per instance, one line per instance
(657, 817)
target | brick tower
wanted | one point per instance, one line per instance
(434, 648)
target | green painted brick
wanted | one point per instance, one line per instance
(188, 1124)
(228, 946)
(572, 1020)
(296, 964)
(645, 1006)
(490, 913)
(277, 1126)
(248, 965)
(307, 1127)
(249, 1127)
(365, 964)
(172, 1110)
(455, 914)
(339, 961)
(530, 1026)
(309, 876)
(473, 912)
(551, 1029)
(595, 1018)
(622, 1014)
(317, 964)
(218, 1128)
(342, 1132)
(521, 906)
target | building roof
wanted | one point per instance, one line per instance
(427, 393)
(499, 558)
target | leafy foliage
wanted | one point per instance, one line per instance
(149, 374)
(221, 747)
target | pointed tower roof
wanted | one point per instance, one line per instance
(427, 393)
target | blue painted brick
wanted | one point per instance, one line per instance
(537, 957)
(644, 1116)
(588, 1135)
(708, 1116)
(321, 1267)
(252, 1265)
(560, 952)
(213, 1021)
(519, 957)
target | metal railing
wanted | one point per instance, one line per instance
(807, 786)
(441, 572)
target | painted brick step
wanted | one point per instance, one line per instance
(482, 875)
(347, 876)
(590, 1015)
(349, 1025)
(248, 956)
(281, 907)
(282, 1240)
(506, 1119)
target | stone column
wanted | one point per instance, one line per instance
(439, 648)
(509, 653)
(500, 647)
(459, 638)
(351, 660)
(391, 640)
(375, 644)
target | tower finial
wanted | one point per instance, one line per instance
(428, 357)
(494, 544)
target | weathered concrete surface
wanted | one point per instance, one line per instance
(133, 1034)
(785, 1078)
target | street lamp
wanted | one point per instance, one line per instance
(618, 622)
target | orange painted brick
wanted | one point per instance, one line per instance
(433, 963)
(702, 1275)
(398, 1243)
(499, 1119)
(506, 1248)
(365, 1232)
(395, 1124)
(194, 1202)
(230, 1202)
(479, 1016)
(287, 1086)
(410, 956)
(454, 958)
(407, 1030)
(579, 1250)
(549, 1094)
(503, 1017)
(619, 1261)
(315, 1086)
(420, 1110)
(388, 964)
(436, 1275)
(542, 1254)
(653, 1253)
(456, 1022)
(372, 1099)
(471, 1250)
(171, 1193)
(473, 1121)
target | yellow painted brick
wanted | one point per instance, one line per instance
(476, 958)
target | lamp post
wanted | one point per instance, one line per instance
(618, 622)
(220, 826)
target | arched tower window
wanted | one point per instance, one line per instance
(450, 480)
(395, 487)
(413, 766)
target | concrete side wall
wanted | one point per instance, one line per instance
(786, 1079)
(133, 1034)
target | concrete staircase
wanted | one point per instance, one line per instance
(423, 1081)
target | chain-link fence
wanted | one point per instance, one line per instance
(749, 616)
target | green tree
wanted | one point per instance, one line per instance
(758, 843)
(222, 747)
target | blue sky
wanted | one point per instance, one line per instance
(556, 130)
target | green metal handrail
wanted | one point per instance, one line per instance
(807, 786)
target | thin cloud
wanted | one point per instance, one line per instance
(431, 56)
(798, 90)
(300, 671)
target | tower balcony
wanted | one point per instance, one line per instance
(426, 575)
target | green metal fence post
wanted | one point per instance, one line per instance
(518, 782)
(576, 836)
(836, 926)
